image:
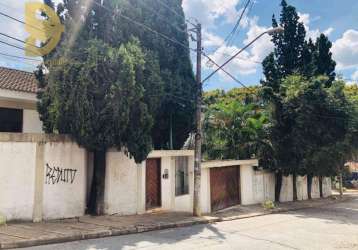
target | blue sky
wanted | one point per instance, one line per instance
(336, 18)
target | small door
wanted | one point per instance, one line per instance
(153, 183)
(224, 187)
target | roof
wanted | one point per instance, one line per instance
(17, 80)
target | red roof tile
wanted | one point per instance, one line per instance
(17, 80)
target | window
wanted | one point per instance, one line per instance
(10, 120)
(181, 176)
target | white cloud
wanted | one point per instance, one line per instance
(262, 47)
(249, 60)
(306, 19)
(345, 50)
(208, 11)
(355, 76)
(211, 40)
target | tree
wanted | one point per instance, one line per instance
(234, 126)
(115, 82)
(292, 55)
(322, 58)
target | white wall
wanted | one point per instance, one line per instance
(327, 186)
(121, 188)
(184, 203)
(64, 195)
(168, 185)
(286, 189)
(301, 185)
(205, 191)
(256, 186)
(247, 185)
(315, 188)
(31, 122)
(17, 179)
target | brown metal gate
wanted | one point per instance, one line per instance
(224, 187)
(153, 183)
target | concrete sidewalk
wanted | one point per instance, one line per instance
(16, 235)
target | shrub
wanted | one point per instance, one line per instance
(268, 204)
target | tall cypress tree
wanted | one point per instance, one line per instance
(292, 55)
(322, 58)
(116, 81)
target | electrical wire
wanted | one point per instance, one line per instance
(19, 61)
(18, 40)
(173, 11)
(230, 38)
(18, 47)
(163, 18)
(144, 26)
(18, 20)
(20, 57)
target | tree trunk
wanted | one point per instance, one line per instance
(278, 186)
(95, 204)
(340, 183)
(309, 186)
(320, 179)
(294, 183)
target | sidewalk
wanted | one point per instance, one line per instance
(15, 235)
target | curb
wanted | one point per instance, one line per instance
(155, 227)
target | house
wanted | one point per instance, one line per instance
(18, 102)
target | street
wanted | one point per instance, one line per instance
(332, 227)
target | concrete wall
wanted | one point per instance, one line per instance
(301, 185)
(286, 189)
(125, 183)
(121, 184)
(205, 200)
(256, 186)
(315, 188)
(17, 179)
(327, 186)
(31, 122)
(64, 194)
(41, 177)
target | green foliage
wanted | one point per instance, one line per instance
(268, 205)
(234, 126)
(119, 83)
(302, 105)
(100, 97)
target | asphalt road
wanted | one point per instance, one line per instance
(331, 227)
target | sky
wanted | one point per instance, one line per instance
(218, 17)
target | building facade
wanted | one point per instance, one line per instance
(18, 112)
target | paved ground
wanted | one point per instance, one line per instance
(334, 226)
(24, 234)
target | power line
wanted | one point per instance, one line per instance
(226, 72)
(230, 38)
(18, 47)
(145, 27)
(18, 20)
(163, 18)
(173, 11)
(20, 61)
(18, 40)
(20, 57)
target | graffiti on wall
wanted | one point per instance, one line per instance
(55, 175)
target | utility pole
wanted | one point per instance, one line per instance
(198, 132)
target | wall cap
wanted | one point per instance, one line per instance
(229, 163)
(32, 137)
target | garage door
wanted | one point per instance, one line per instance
(224, 187)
